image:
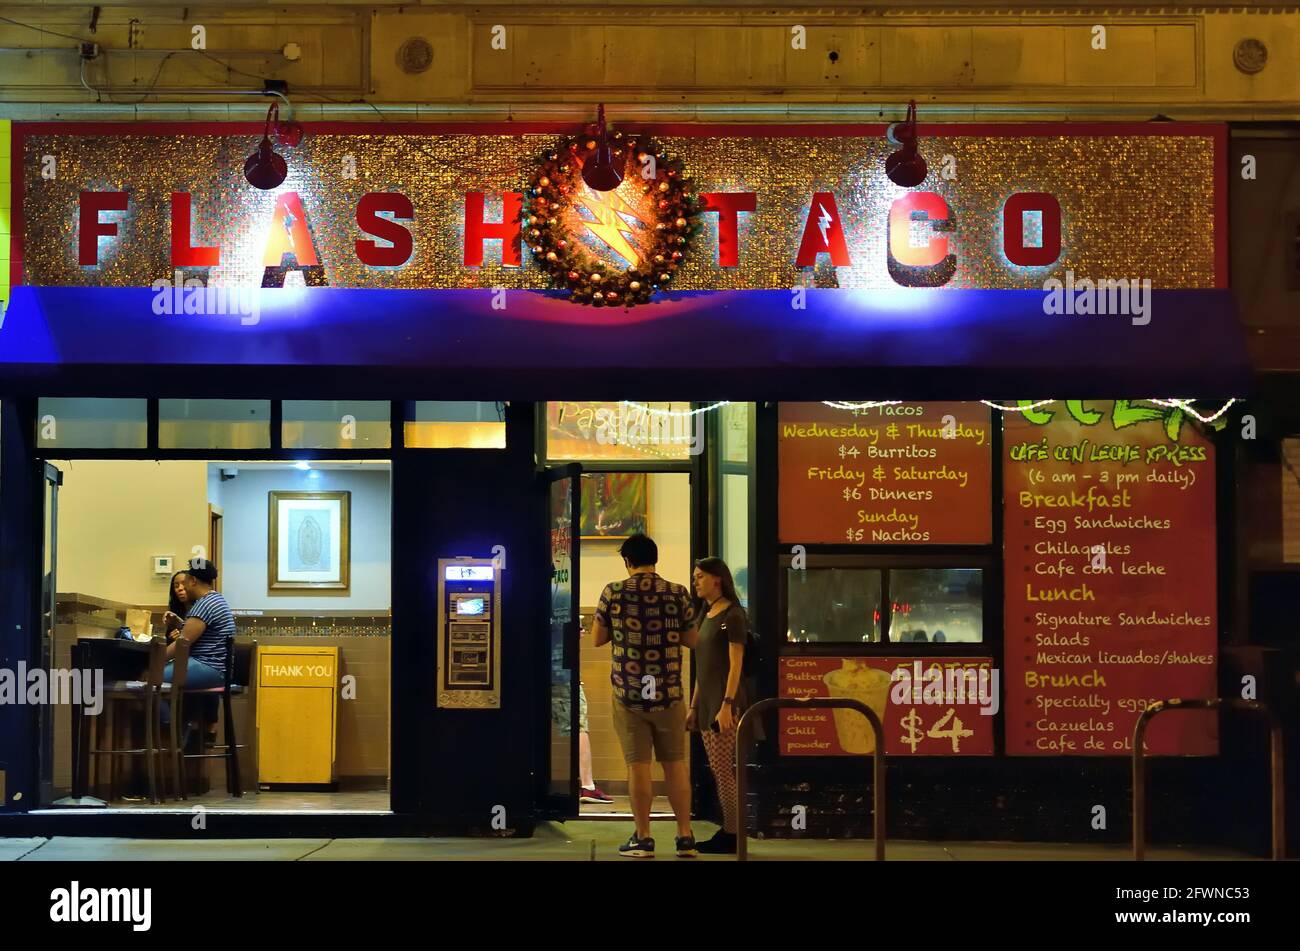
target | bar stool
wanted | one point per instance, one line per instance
(238, 671)
(174, 693)
(145, 692)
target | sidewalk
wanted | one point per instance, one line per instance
(575, 841)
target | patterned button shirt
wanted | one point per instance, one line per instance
(646, 616)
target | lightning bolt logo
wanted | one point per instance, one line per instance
(823, 222)
(608, 208)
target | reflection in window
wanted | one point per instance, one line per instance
(455, 424)
(620, 431)
(335, 424)
(73, 423)
(833, 605)
(214, 424)
(936, 605)
(733, 427)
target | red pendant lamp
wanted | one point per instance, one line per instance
(599, 171)
(266, 168)
(905, 167)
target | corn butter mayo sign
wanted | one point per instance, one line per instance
(1110, 570)
(1005, 207)
(940, 706)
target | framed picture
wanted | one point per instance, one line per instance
(614, 505)
(309, 541)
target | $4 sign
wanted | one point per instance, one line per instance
(940, 730)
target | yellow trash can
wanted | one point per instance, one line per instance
(297, 715)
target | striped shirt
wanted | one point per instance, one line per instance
(215, 613)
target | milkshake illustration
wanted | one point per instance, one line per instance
(867, 685)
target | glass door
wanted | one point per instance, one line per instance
(563, 509)
(52, 478)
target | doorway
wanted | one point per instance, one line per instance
(616, 504)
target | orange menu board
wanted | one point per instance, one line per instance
(927, 706)
(1110, 578)
(913, 473)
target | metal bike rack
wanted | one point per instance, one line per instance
(1277, 781)
(743, 729)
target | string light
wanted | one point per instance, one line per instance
(676, 413)
(685, 441)
(1018, 409)
(1184, 405)
(1187, 407)
(837, 404)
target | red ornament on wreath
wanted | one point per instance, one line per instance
(611, 239)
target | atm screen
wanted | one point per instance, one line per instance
(468, 573)
(470, 606)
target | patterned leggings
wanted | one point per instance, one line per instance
(721, 748)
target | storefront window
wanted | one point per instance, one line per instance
(736, 467)
(214, 424)
(621, 431)
(734, 431)
(834, 605)
(336, 424)
(91, 423)
(847, 605)
(936, 605)
(455, 424)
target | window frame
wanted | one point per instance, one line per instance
(885, 563)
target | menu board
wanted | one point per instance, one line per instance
(1110, 578)
(927, 706)
(914, 473)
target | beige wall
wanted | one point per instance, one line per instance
(115, 515)
(961, 58)
(669, 507)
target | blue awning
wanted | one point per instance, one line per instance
(770, 344)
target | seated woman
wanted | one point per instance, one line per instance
(208, 624)
(178, 606)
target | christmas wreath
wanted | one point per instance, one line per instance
(647, 221)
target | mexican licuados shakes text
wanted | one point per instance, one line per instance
(856, 681)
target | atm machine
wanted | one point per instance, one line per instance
(469, 633)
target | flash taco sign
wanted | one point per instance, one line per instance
(1014, 206)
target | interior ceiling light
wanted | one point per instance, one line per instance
(266, 168)
(905, 167)
(599, 172)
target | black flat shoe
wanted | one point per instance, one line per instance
(722, 843)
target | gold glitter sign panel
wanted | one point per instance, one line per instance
(1132, 205)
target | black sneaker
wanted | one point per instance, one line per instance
(635, 848)
(723, 843)
(686, 847)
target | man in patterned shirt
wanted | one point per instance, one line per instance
(649, 619)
